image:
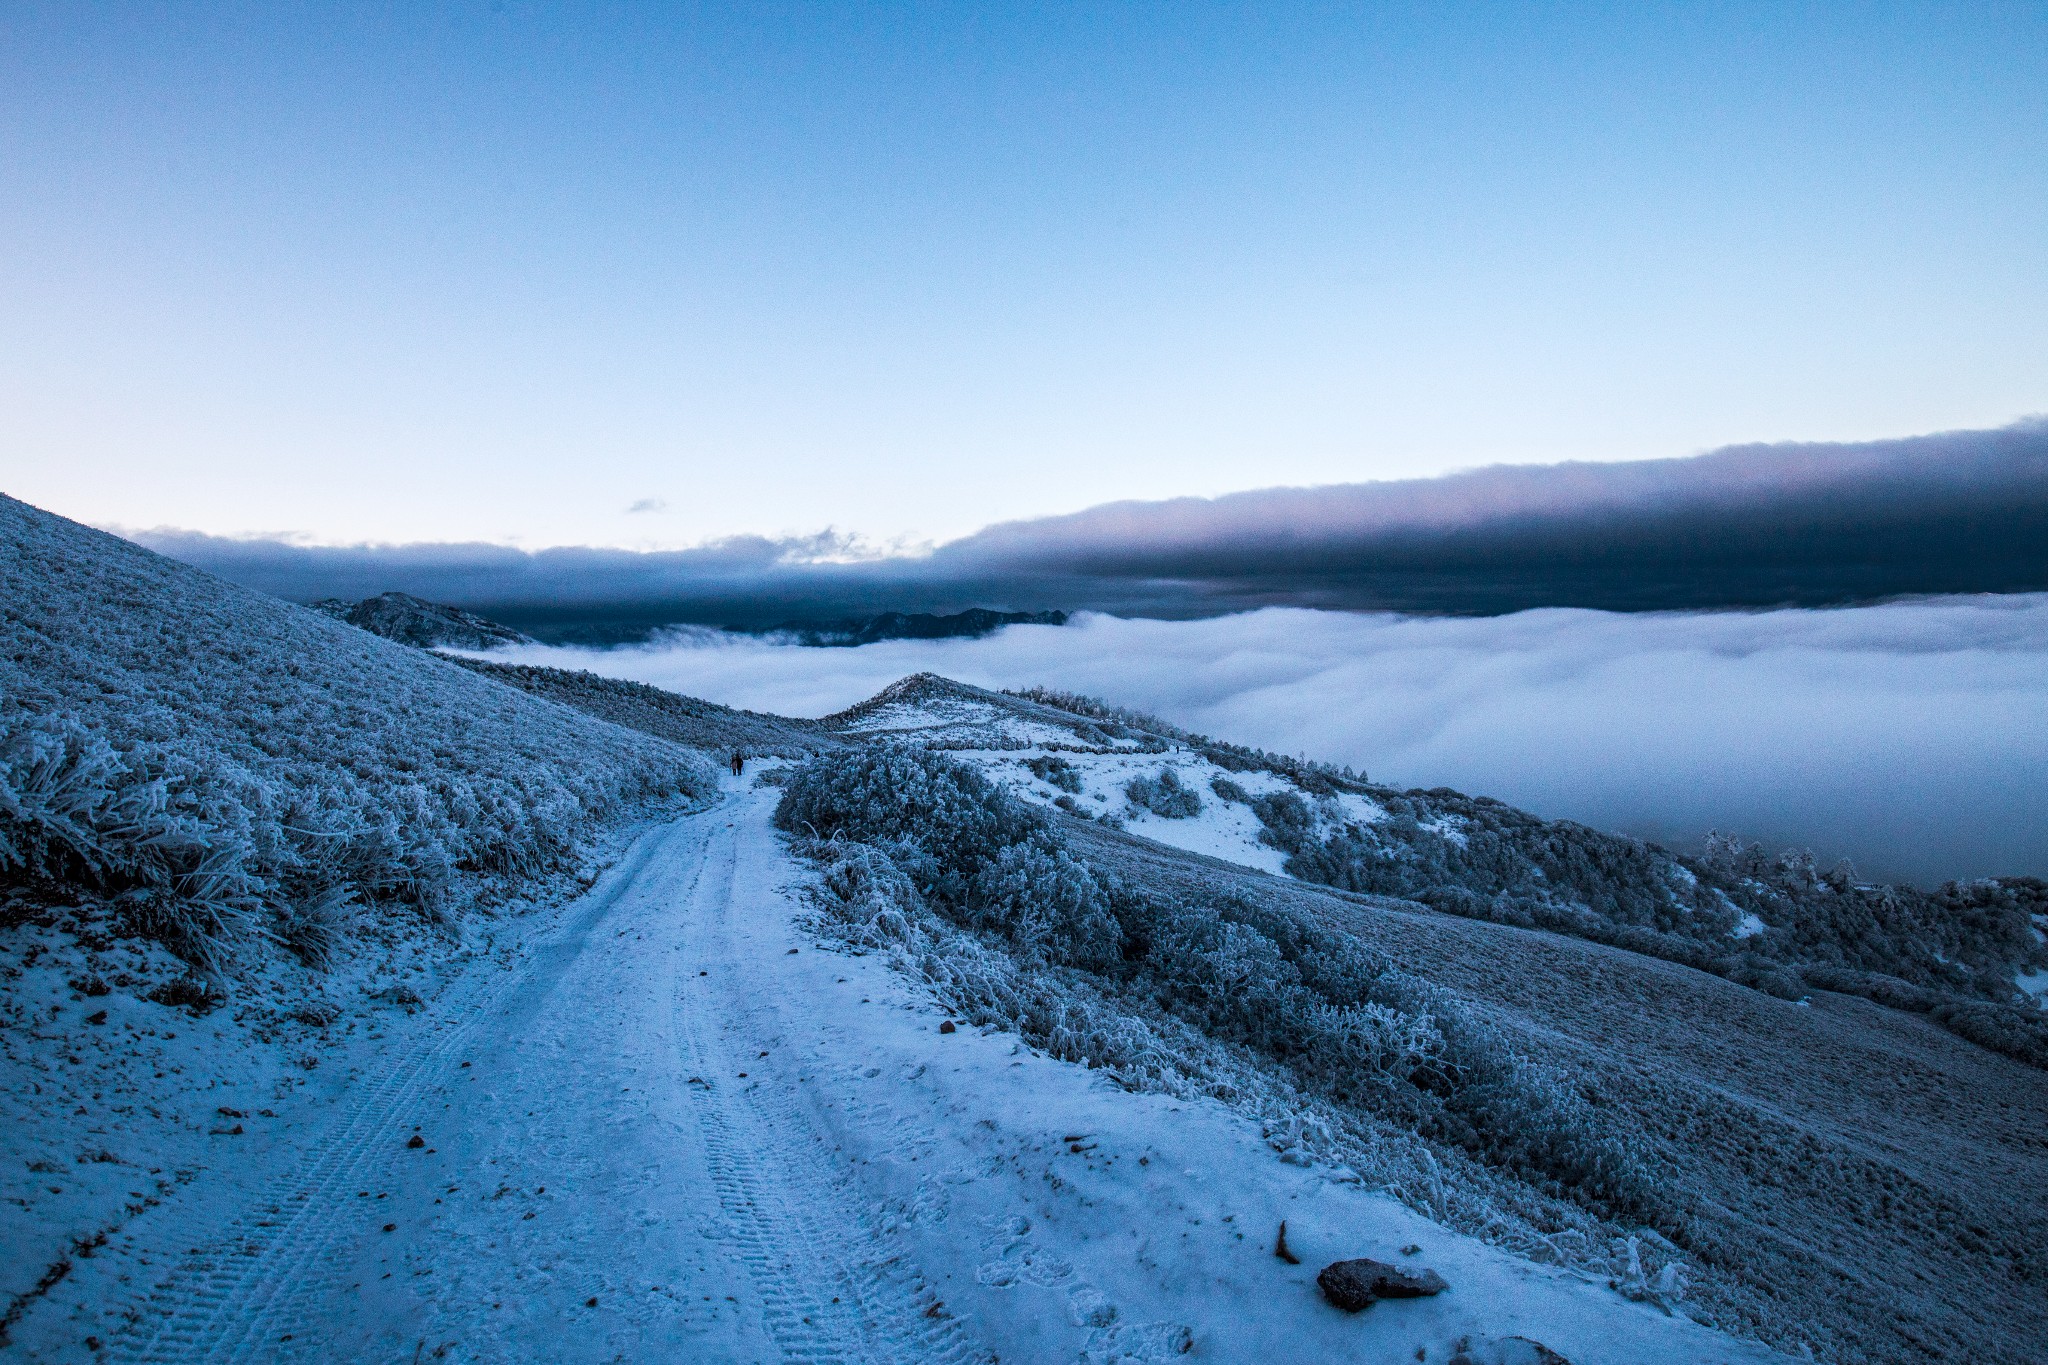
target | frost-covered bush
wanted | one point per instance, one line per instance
(1774, 922)
(1287, 824)
(226, 767)
(1056, 772)
(1227, 790)
(936, 836)
(73, 810)
(1164, 795)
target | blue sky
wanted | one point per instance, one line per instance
(500, 272)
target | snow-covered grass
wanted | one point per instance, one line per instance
(223, 769)
(132, 1095)
(1774, 922)
(940, 840)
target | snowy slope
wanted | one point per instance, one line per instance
(673, 1128)
(1222, 828)
(255, 763)
(1775, 921)
(940, 712)
(192, 774)
(1007, 734)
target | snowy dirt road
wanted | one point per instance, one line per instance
(683, 1132)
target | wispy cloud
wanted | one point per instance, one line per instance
(647, 505)
(1749, 525)
(1907, 737)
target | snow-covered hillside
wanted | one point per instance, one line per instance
(1965, 953)
(1214, 823)
(230, 768)
(231, 831)
(671, 1129)
(943, 714)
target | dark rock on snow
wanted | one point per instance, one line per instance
(1505, 1351)
(1358, 1284)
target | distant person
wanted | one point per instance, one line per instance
(739, 763)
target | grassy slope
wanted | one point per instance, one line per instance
(669, 715)
(1862, 1170)
(1953, 954)
(303, 756)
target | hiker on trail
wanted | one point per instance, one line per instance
(739, 763)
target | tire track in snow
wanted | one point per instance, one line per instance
(225, 1296)
(831, 1292)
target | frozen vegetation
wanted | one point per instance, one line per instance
(938, 839)
(685, 720)
(223, 770)
(1778, 922)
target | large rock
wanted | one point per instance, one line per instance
(1358, 1284)
(1505, 1351)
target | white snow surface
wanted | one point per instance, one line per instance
(2035, 985)
(1222, 829)
(670, 1127)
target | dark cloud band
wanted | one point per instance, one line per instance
(1806, 524)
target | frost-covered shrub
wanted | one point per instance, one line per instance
(1769, 921)
(992, 860)
(1227, 790)
(1056, 772)
(1337, 1016)
(1288, 823)
(1164, 795)
(1047, 904)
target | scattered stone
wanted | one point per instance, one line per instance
(193, 992)
(1280, 1247)
(99, 1017)
(1504, 1351)
(1356, 1285)
(391, 1227)
(948, 1027)
(415, 1142)
(590, 1302)
(1411, 1250)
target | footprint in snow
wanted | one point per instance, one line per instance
(1088, 1306)
(1137, 1343)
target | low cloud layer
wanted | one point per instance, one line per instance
(1806, 524)
(1907, 737)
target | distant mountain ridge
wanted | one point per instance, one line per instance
(415, 621)
(895, 625)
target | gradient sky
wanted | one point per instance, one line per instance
(502, 271)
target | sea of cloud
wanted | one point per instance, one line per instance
(1910, 738)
